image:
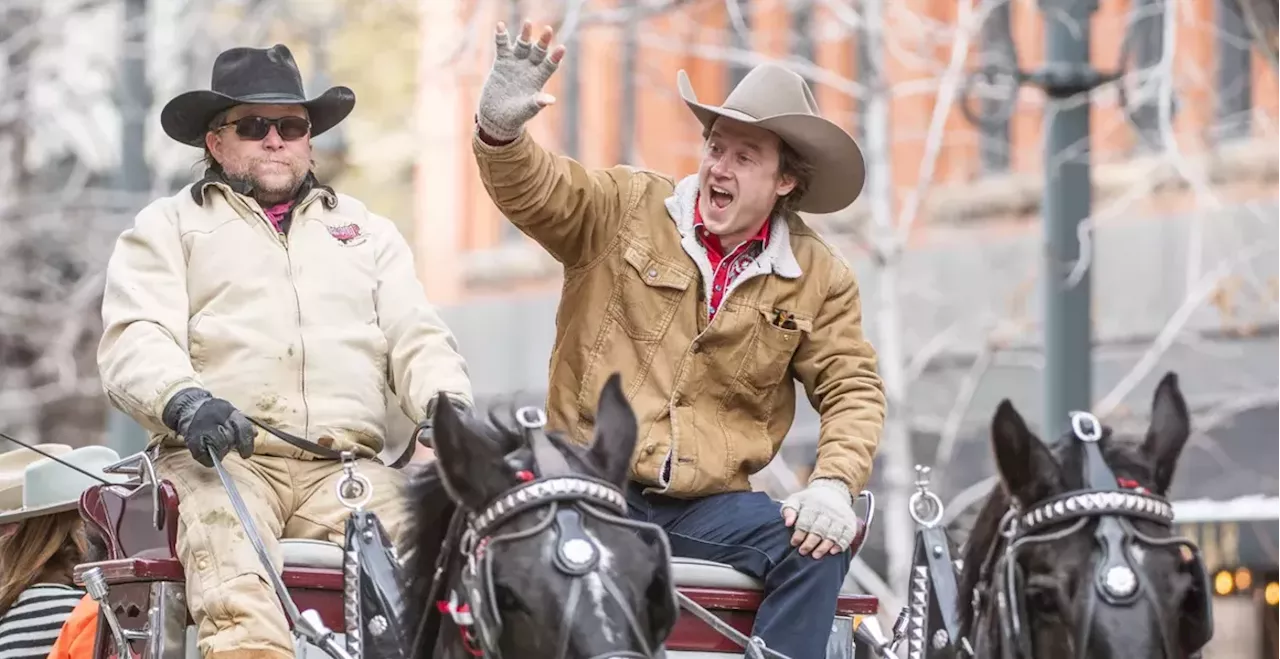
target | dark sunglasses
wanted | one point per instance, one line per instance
(256, 128)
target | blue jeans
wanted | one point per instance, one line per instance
(745, 530)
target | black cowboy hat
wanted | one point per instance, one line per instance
(262, 76)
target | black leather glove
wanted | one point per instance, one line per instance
(207, 423)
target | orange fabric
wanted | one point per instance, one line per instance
(75, 641)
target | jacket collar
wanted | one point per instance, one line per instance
(214, 177)
(777, 256)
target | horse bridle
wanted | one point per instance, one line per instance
(570, 499)
(1118, 583)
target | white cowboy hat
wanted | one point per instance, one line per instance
(50, 487)
(11, 465)
(778, 100)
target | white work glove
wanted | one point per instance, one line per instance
(823, 517)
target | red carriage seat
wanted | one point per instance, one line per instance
(139, 522)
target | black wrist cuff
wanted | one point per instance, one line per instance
(182, 406)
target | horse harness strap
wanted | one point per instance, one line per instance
(324, 451)
(373, 590)
(932, 599)
(932, 592)
(1118, 583)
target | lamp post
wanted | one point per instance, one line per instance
(1067, 197)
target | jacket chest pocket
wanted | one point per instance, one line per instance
(770, 354)
(647, 294)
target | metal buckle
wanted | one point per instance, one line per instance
(1093, 433)
(531, 418)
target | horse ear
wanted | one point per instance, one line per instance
(1027, 467)
(615, 436)
(1168, 432)
(471, 465)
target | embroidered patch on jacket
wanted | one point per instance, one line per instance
(345, 233)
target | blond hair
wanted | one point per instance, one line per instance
(42, 549)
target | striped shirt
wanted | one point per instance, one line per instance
(30, 627)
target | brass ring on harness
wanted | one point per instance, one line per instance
(354, 501)
(933, 503)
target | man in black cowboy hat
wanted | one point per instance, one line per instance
(258, 292)
(712, 297)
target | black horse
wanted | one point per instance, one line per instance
(521, 547)
(1073, 555)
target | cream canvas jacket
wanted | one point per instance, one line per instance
(308, 332)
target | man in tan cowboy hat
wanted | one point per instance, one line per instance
(711, 296)
(258, 293)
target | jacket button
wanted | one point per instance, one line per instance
(696, 347)
(648, 450)
(651, 273)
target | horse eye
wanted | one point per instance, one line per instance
(1042, 596)
(507, 599)
(1042, 600)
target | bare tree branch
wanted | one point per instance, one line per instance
(960, 408)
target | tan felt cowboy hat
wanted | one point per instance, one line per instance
(48, 486)
(778, 100)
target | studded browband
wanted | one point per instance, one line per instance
(541, 492)
(1073, 505)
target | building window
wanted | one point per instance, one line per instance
(1234, 73)
(570, 71)
(1142, 93)
(739, 37)
(997, 53)
(802, 45)
(627, 76)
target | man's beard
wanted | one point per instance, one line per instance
(268, 194)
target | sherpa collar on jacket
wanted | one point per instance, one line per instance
(777, 257)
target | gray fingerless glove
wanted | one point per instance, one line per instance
(509, 98)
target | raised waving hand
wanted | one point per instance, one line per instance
(512, 93)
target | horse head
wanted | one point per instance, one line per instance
(1061, 563)
(548, 564)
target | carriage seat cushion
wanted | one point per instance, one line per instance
(311, 553)
(697, 573)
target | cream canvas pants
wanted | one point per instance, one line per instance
(232, 602)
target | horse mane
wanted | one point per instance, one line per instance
(430, 511)
(985, 533)
(1125, 459)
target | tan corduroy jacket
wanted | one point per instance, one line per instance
(714, 399)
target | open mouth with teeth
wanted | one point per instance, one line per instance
(720, 197)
